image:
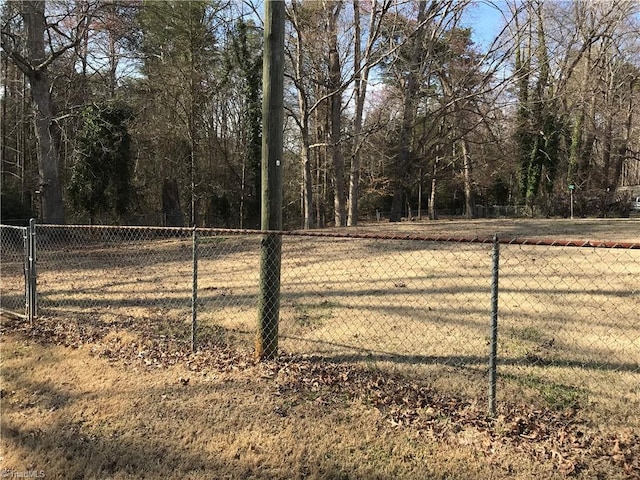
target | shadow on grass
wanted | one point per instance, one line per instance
(91, 456)
(361, 354)
(82, 446)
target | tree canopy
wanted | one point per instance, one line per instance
(101, 175)
(392, 107)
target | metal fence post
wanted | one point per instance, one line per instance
(32, 297)
(493, 354)
(27, 273)
(194, 292)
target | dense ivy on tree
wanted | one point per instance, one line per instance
(101, 175)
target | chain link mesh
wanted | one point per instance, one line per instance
(13, 255)
(117, 276)
(568, 324)
(396, 303)
(228, 287)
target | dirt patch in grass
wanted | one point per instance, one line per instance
(91, 403)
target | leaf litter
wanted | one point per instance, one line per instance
(546, 435)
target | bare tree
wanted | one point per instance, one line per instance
(300, 76)
(363, 62)
(33, 51)
(415, 66)
(334, 87)
(574, 83)
(320, 95)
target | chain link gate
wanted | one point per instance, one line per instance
(18, 271)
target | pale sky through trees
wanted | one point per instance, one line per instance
(485, 19)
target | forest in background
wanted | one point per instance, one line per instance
(149, 112)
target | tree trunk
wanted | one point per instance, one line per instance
(575, 148)
(606, 152)
(320, 169)
(307, 192)
(339, 190)
(589, 142)
(49, 181)
(624, 146)
(433, 214)
(50, 186)
(401, 166)
(303, 106)
(171, 211)
(420, 195)
(362, 66)
(469, 202)
(359, 86)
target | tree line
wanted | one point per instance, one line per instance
(130, 111)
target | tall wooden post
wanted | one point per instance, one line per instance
(272, 124)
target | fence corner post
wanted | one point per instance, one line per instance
(32, 296)
(493, 353)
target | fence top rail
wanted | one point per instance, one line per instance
(55, 226)
(550, 242)
(13, 227)
(571, 243)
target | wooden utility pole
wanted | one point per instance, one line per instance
(272, 124)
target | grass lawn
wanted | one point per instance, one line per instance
(383, 370)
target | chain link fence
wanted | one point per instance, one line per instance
(568, 316)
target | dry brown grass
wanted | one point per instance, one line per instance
(101, 407)
(85, 413)
(616, 230)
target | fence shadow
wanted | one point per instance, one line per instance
(361, 354)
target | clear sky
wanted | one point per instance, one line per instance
(485, 18)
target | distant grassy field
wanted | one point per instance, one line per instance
(569, 352)
(601, 229)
